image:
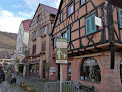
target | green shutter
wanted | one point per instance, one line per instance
(90, 24)
(60, 36)
(93, 26)
(68, 35)
(120, 17)
(87, 26)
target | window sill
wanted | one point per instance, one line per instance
(43, 35)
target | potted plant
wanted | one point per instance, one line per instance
(29, 87)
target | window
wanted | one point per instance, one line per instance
(90, 70)
(54, 41)
(90, 25)
(70, 9)
(121, 71)
(66, 35)
(34, 49)
(39, 18)
(82, 2)
(33, 36)
(40, 32)
(61, 16)
(43, 46)
(120, 17)
(45, 29)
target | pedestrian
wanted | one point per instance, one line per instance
(2, 75)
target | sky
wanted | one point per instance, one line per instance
(12, 12)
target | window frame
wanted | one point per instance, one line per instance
(69, 4)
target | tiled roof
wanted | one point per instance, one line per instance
(4, 55)
(51, 10)
(26, 24)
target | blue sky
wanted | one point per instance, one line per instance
(12, 12)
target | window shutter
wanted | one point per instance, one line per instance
(90, 24)
(68, 35)
(55, 41)
(32, 36)
(40, 33)
(60, 36)
(87, 26)
(93, 26)
(47, 28)
(120, 17)
(35, 49)
(36, 34)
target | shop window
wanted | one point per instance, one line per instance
(90, 70)
(121, 71)
(90, 25)
(120, 17)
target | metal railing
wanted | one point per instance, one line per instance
(67, 86)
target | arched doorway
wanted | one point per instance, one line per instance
(90, 70)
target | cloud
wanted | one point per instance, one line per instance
(32, 4)
(9, 22)
(17, 6)
(25, 14)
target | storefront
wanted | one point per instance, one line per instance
(31, 67)
(94, 69)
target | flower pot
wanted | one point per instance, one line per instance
(29, 88)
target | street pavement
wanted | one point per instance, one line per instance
(7, 87)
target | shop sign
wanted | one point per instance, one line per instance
(61, 51)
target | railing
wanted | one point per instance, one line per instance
(67, 86)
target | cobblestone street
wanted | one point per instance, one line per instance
(7, 87)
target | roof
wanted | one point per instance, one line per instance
(26, 24)
(4, 55)
(51, 10)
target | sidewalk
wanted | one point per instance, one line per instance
(37, 83)
(7, 87)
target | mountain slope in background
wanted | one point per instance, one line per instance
(7, 41)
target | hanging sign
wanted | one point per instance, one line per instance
(98, 21)
(61, 51)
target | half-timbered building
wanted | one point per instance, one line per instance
(93, 29)
(39, 60)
